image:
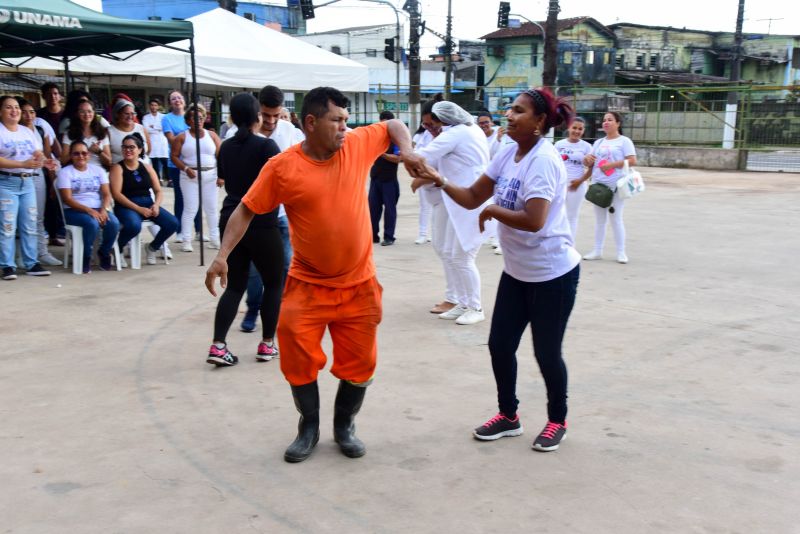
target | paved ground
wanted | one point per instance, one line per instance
(683, 397)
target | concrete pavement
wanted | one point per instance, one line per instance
(683, 393)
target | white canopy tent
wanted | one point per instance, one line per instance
(232, 51)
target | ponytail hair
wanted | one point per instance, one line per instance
(244, 110)
(556, 108)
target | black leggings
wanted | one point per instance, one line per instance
(262, 246)
(546, 306)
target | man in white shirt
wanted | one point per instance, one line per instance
(159, 147)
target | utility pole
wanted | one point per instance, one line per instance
(550, 45)
(412, 8)
(729, 130)
(448, 50)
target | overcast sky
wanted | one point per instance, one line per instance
(474, 18)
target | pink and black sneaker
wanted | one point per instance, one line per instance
(550, 437)
(221, 357)
(266, 351)
(498, 427)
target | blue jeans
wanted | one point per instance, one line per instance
(175, 183)
(17, 210)
(132, 222)
(160, 166)
(255, 288)
(546, 306)
(90, 228)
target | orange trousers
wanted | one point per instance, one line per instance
(351, 314)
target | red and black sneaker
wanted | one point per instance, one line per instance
(498, 427)
(550, 437)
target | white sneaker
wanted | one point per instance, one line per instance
(453, 313)
(593, 255)
(122, 263)
(178, 238)
(206, 239)
(420, 240)
(622, 258)
(214, 243)
(187, 247)
(150, 254)
(166, 252)
(471, 316)
(49, 260)
(498, 250)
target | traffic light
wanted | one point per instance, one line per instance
(502, 14)
(307, 9)
(389, 50)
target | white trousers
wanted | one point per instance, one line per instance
(443, 234)
(425, 211)
(461, 274)
(602, 216)
(191, 203)
(41, 197)
(573, 203)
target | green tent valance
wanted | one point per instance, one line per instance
(57, 28)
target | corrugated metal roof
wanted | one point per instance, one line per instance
(528, 29)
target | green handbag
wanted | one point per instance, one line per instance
(600, 195)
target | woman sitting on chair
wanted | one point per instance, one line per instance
(131, 183)
(87, 203)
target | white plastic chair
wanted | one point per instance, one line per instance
(136, 247)
(74, 241)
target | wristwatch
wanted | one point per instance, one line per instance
(445, 181)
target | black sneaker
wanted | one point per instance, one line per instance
(105, 261)
(38, 270)
(498, 427)
(387, 242)
(9, 273)
(221, 357)
(550, 437)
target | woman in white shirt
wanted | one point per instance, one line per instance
(184, 156)
(85, 126)
(573, 149)
(86, 195)
(21, 158)
(607, 161)
(529, 184)
(124, 124)
(461, 153)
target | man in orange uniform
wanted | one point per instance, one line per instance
(331, 281)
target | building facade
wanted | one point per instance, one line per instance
(286, 18)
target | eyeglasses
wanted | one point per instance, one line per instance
(81, 153)
(129, 147)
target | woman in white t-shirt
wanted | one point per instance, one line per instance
(573, 149)
(21, 158)
(124, 124)
(86, 196)
(529, 184)
(607, 160)
(85, 126)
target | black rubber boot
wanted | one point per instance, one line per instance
(306, 400)
(348, 402)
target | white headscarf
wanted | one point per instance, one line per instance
(452, 114)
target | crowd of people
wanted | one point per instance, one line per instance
(475, 181)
